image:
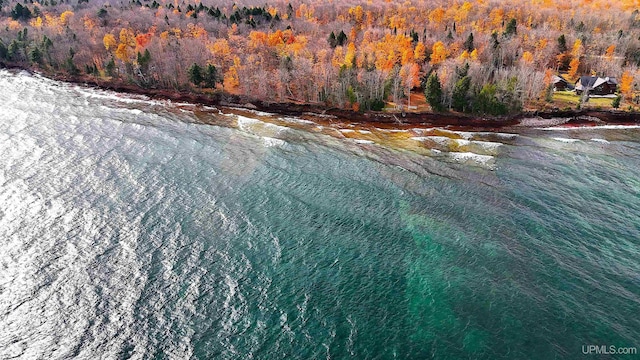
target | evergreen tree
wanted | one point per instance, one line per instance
(20, 12)
(290, 10)
(494, 40)
(468, 44)
(195, 74)
(69, 64)
(462, 72)
(414, 36)
(12, 50)
(562, 44)
(144, 59)
(110, 68)
(3, 51)
(102, 13)
(486, 101)
(511, 29)
(616, 102)
(433, 92)
(35, 55)
(333, 42)
(460, 98)
(211, 76)
(342, 38)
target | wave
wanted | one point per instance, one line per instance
(473, 158)
(597, 127)
(566, 140)
(273, 142)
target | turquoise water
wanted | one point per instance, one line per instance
(131, 229)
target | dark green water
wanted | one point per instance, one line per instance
(129, 229)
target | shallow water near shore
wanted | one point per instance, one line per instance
(143, 229)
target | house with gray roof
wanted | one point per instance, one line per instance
(595, 85)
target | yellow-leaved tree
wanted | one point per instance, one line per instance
(626, 85)
(438, 53)
(350, 56)
(419, 53)
(573, 68)
(64, 17)
(109, 42)
(610, 51)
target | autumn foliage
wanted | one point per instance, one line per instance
(352, 54)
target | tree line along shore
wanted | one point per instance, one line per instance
(461, 60)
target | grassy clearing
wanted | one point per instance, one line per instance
(569, 99)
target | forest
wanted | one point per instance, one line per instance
(478, 56)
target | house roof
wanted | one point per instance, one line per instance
(590, 82)
(557, 79)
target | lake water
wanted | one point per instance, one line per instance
(140, 229)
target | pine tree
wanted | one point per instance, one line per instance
(468, 44)
(342, 38)
(459, 98)
(511, 29)
(20, 12)
(35, 55)
(211, 76)
(12, 50)
(70, 65)
(433, 92)
(3, 50)
(333, 42)
(111, 67)
(144, 59)
(562, 44)
(195, 74)
(616, 102)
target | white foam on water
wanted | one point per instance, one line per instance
(391, 130)
(257, 112)
(321, 115)
(296, 120)
(260, 128)
(363, 141)
(273, 142)
(603, 141)
(466, 157)
(440, 140)
(243, 120)
(565, 140)
(461, 142)
(108, 95)
(346, 130)
(364, 131)
(487, 145)
(598, 127)
(506, 136)
(467, 135)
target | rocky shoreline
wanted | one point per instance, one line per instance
(585, 117)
